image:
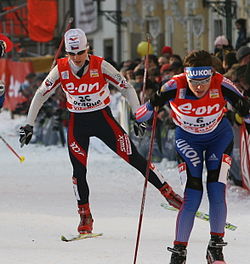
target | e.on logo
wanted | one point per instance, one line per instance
(200, 110)
(83, 88)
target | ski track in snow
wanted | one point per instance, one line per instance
(37, 206)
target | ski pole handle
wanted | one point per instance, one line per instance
(146, 65)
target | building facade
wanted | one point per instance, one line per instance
(182, 24)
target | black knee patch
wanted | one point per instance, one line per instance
(213, 175)
(229, 148)
(194, 183)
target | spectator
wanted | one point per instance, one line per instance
(231, 74)
(26, 87)
(175, 58)
(220, 43)
(221, 47)
(152, 63)
(169, 70)
(129, 74)
(247, 73)
(217, 64)
(243, 55)
(154, 75)
(229, 60)
(241, 81)
(167, 50)
(242, 33)
(164, 59)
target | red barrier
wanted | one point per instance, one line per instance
(245, 157)
(13, 74)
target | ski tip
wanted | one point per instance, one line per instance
(63, 238)
(81, 236)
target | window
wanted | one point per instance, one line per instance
(108, 46)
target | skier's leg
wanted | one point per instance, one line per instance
(190, 169)
(78, 144)
(218, 162)
(192, 198)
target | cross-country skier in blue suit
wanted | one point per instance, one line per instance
(203, 134)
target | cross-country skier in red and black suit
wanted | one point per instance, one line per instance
(85, 78)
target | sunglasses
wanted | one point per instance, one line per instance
(199, 82)
(78, 53)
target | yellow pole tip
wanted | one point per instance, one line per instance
(22, 158)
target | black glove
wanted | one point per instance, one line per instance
(2, 48)
(248, 128)
(139, 128)
(25, 134)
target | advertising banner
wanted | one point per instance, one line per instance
(86, 15)
(13, 74)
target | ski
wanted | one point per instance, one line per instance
(219, 262)
(80, 237)
(200, 215)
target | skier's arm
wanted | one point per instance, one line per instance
(237, 100)
(115, 78)
(47, 88)
(42, 94)
(160, 98)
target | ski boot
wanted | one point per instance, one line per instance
(173, 198)
(179, 254)
(214, 250)
(86, 221)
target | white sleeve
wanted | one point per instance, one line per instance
(115, 78)
(47, 88)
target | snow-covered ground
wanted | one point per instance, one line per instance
(37, 206)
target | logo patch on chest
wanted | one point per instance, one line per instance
(94, 73)
(214, 93)
(65, 75)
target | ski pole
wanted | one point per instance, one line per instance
(61, 44)
(246, 140)
(21, 158)
(148, 37)
(150, 151)
(245, 137)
